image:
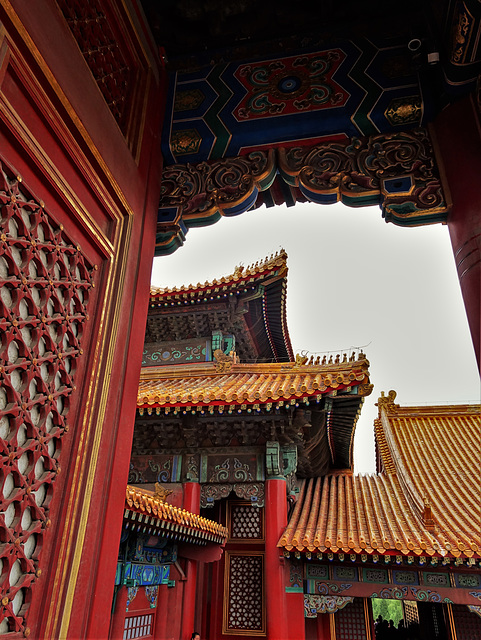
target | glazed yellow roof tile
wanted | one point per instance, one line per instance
(204, 384)
(436, 454)
(144, 501)
(425, 502)
(241, 275)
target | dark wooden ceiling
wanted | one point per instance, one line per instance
(185, 28)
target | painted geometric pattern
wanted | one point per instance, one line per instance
(290, 85)
(350, 622)
(44, 292)
(246, 522)
(229, 109)
(245, 598)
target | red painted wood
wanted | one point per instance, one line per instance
(458, 134)
(295, 615)
(105, 169)
(192, 497)
(160, 628)
(118, 617)
(188, 605)
(281, 622)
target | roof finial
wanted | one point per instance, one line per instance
(387, 402)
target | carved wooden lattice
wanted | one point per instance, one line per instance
(246, 522)
(351, 621)
(244, 605)
(468, 624)
(106, 59)
(44, 292)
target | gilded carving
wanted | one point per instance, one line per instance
(161, 492)
(463, 23)
(204, 189)
(185, 141)
(314, 604)
(405, 111)
(398, 170)
(188, 99)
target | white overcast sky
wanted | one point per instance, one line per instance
(354, 281)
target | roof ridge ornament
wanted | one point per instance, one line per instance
(387, 401)
(161, 492)
(278, 259)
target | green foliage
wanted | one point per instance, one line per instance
(388, 609)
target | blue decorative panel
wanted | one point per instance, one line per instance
(345, 89)
(146, 574)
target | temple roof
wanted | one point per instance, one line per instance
(250, 303)
(154, 516)
(424, 502)
(237, 383)
(276, 263)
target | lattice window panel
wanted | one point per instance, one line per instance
(468, 624)
(45, 284)
(410, 611)
(92, 30)
(351, 621)
(246, 522)
(244, 604)
(138, 626)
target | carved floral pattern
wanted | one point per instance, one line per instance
(204, 189)
(398, 168)
(253, 491)
(314, 604)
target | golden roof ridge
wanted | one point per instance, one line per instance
(212, 368)
(202, 384)
(278, 259)
(147, 502)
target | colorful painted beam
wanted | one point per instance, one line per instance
(397, 171)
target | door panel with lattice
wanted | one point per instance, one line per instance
(46, 288)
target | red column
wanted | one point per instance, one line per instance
(192, 504)
(118, 618)
(161, 615)
(285, 619)
(457, 132)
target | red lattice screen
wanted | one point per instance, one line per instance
(468, 624)
(244, 604)
(45, 284)
(106, 55)
(246, 522)
(351, 621)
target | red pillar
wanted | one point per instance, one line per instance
(161, 615)
(458, 135)
(118, 618)
(192, 504)
(284, 621)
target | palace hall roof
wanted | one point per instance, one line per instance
(145, 512)
(425, 500)
(249, 303)
(232, 383)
